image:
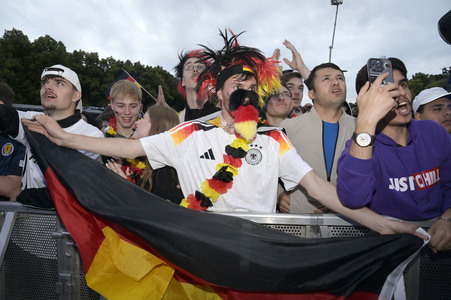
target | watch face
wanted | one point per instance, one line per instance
(363, 139)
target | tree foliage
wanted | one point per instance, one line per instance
(421, 81)
(22, 62)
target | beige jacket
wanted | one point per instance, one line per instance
(306, 134)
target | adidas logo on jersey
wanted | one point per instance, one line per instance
(208, 155)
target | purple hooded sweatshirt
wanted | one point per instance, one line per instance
(411, 183)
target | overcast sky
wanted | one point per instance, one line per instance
(154, 32)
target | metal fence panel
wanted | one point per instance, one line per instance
(41, 260)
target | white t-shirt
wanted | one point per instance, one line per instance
(32, 175)
(195, 148)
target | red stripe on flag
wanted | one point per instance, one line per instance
(82, 223)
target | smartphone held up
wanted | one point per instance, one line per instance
(378, 66)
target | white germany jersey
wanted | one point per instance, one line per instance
(195, 148)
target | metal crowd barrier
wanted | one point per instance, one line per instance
(39, 260)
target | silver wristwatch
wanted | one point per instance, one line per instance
(363, 139)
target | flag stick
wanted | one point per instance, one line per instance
(140, 85)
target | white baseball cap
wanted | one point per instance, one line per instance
(65, 72)
(429, 95)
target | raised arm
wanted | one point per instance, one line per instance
(275, 57)
(109, 147)
(296, 63)
(325, 192)
(161, 100)
(374, 103)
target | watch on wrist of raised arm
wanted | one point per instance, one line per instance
(363, 139)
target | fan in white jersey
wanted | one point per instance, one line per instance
(231, 141)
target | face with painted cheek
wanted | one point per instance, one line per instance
(126, 109)
(191, 70)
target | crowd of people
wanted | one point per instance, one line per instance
(258, 149)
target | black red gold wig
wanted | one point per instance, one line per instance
(235, 59)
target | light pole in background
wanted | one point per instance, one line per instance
(336, 3)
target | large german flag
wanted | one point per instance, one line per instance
(135, 245)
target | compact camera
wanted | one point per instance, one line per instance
(378, 66)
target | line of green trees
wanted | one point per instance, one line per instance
(22, 62)
(421, 81)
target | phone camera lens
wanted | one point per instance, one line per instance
(376, 65)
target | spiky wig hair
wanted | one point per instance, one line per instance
(234, 59)
(183, 57)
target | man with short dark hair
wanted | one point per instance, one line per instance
(319, 136)
(293, 81)
(394, 165)
(61, 98)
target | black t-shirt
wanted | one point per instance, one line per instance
(166, 185)
(192, 114)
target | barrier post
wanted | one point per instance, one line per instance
(68, 282)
